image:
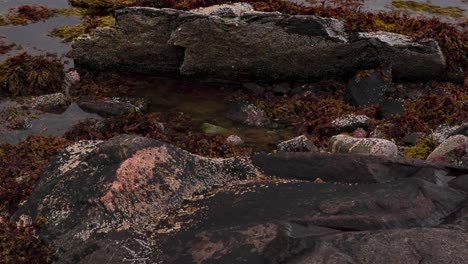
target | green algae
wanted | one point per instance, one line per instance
(422, 148)
(429, 8)
(87, 26)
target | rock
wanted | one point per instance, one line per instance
(359, 133)
(282, 88)
(349, 123)
(208, 128)
(166, 41)
(443, 132)
(111, 107)
(375, 146)
(461, 130)
(308, 217)
(298, 144)
(460, 183)
(52, 103)
(135, 199)
(248, 114)
(412, 138)
(255, 88)
(225, 10)
(71, 78)
(369, 87)
(20, 122)
(99, 198)
(454, 150)
(309, 166)
(390, 107)
(235, 140)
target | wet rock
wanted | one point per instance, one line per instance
(99, 197)
(390, 107)
(375, 146)
(454, 150)
(248, 114)
(208, 128)
(412, 138)
(111, 107)
(369, 87)
(166, 41)
(298, 144)
(235, 140)
(52, 103)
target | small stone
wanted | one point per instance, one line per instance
(375, 146)
(452, 151)
(390, 107)
(359, 133)
(71, 78)
(253, 87)
(369, 87)
(298, 144)
(281, 88)
(248, 114)
(234, 140)
(411, 139)
(443, 132)
(54, 103)
(224, 10)
(208, 128)
(111, 107)
(349, 123)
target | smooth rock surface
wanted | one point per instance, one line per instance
(376, 146)
(297, 48)
(454, 150)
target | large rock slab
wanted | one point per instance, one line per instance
(134, 199)
(245, 44)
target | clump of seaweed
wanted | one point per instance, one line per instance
(25, 14)
(447, 103)
(19, 245)
(87, 26)
(421, 150)
(21, 166)
(4, 47)
(429, 8)
(176, 130)
(24, 74)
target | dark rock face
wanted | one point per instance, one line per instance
(134, 199)
(390, 107)
(369, 88)
(298, 48)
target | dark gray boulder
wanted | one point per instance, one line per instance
(297, 48)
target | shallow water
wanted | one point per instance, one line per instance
(45, 124)
(204, 103)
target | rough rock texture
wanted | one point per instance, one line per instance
(454, 150)
(52, 103)
(376, 146)
(137, 200)
(235, 140)
(98, 196)
(297, 144)
(349, 123)
(165, 41)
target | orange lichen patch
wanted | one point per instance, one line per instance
(133, 176)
